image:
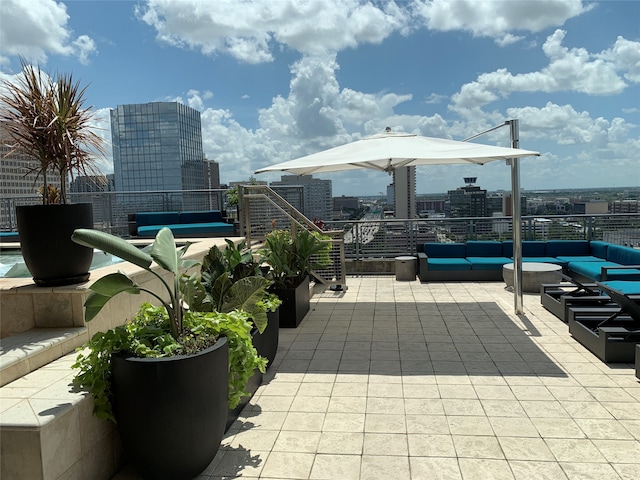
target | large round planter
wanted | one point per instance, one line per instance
(51, 256)
(171, 412)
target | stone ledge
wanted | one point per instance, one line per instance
(49, 431)
(25, 352)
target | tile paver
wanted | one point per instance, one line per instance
(406, 380)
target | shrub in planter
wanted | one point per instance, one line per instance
(154, 345)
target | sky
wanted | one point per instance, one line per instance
(278, 79)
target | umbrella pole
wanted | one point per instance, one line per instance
(516, 221)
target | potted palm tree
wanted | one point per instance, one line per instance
(169, 376)
(291, 259)
(45, 119)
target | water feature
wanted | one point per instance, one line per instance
(12, 264)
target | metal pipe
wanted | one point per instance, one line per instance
(516, 220)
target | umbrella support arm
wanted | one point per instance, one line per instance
(515, 211)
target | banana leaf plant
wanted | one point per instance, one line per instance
(163, 251)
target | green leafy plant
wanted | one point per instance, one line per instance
(170, 329)
(45, 119)
(292, 258)
(232, 279)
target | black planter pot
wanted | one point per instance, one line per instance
(171, 412)
(295, 304)
(252, 385)
(268, 340)
(51, 256)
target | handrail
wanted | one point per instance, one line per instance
(253, 200)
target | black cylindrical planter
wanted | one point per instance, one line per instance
(171, 412)
(51, 256)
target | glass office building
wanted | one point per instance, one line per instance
(158, 147)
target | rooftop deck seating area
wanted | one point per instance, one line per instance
(205, 223)
(483, 260)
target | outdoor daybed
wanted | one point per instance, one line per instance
(206, 223)
(483, 260)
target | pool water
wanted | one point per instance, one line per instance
(12, 264)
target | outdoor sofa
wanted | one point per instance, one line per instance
(483, 260)
(206, 223)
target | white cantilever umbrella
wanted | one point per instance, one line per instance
(389, 150)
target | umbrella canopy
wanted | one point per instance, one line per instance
(390, 150)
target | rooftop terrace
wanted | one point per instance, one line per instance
(409, 380)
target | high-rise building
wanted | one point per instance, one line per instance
(317, 195)
(18, 176)
(158, 146)
(404, 198)
(467, 201)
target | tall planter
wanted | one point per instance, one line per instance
(269, 339)
(171, 412)
(296, 303)
(51, 256)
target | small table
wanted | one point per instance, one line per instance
(534, 274)
(405, 268)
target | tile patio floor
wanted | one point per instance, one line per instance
(402, 380)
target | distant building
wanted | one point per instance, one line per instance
(158, 147)
(18, 176)
(346, 203)
(317, 195)
(404, 198)
(92, 184)
(590, 207)
(467, 201)
(625, 206)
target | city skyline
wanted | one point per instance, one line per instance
(278, 80)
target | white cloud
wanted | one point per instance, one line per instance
(568, 70)
(497, 19)
(250, 30)
(37, 29)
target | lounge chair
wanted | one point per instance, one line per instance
(610, 333)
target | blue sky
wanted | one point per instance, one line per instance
(278, 79)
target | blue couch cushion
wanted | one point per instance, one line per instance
(187, 229)
(599, 249)
(623, 255)
(579, 258)
(593, 270)
(446, 264)
(488, 263)
(530, 248)
(483, 248)
(624, 286)
(445, 250)
(555, 261)
(157, 218)
(557, 248)
(209, 216)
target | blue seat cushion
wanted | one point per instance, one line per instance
(624, 286)
(579, 258)
(444, 250)
(555, 261)
(593, 270)
(483, 248)
(488, 263)
(557, 248)
(444, 264)
(623, 255)
(187, 229)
